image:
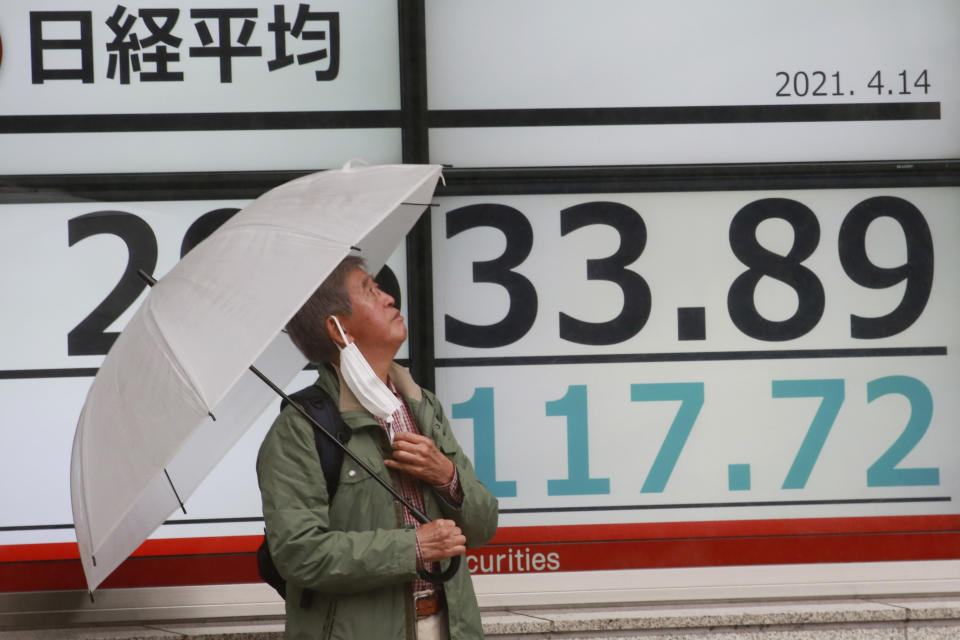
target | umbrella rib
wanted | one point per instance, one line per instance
(177, 495)
(150, 280)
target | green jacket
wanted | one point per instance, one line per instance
(356, 554)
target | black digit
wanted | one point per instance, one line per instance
(523, 296)
(90, 337)
(636, 292)
(903, 76)
(806, 83)
(787, 269)
(786, 81)
(823, 81)
(917, 270)
(836, 85)
(203, 227)
(386, 279)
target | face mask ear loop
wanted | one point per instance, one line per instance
(339, 328)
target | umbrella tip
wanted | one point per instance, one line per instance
(146, 277)
(177, 495)
(92, 601)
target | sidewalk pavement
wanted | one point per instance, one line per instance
(906, 618)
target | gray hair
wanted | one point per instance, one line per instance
(307, 327)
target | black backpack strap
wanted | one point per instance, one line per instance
(316, 402)
(319, 405)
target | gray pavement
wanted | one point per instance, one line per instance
(906, 618)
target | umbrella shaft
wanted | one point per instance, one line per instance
(419, 515)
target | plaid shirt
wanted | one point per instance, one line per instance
(411, 488)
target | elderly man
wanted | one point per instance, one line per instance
(360, 552)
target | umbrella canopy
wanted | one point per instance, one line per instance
(147, 436)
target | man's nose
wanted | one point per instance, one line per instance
(387, 298)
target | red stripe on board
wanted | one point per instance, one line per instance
(653, 554)
(233, 568)
(727, 528)
(546, 534)
(157, 547)
(164, 571)
(35, 552)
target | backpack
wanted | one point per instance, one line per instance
(320, 406)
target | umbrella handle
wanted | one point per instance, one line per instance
(441, 576)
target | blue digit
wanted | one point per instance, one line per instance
(883, 472)
(738, 477)
(832, 392)
(691, 396)
(578, 483)
(479, 408)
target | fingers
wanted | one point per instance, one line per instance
(415, 449)
(418, 455)
(411, 454)
(409, 439)
(440, 539)
(436, 473)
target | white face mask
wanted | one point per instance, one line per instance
(375, 396)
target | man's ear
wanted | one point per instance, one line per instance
(331, 326)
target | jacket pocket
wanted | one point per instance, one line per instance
(360, 503)
(353, 477)
(448, 447)
(445, 442)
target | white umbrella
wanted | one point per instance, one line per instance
(147, 436)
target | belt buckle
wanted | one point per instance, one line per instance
(427, 605)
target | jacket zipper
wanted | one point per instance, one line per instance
(331, 612)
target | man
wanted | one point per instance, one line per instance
(360, 553)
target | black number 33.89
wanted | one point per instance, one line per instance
(788, 268)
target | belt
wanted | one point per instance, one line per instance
(429, 604)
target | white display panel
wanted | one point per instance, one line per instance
(545, 83)
(680, 357)
(187, 86)
(61, 262)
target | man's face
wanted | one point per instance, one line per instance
(375, 324)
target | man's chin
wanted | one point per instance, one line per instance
(400, 333)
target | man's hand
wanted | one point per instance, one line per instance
(440, 539)
(417, 455)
